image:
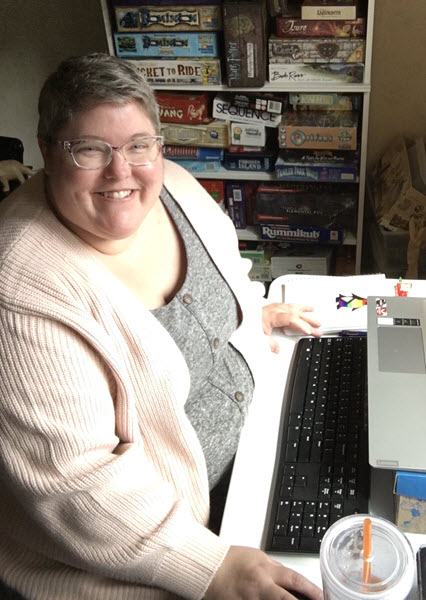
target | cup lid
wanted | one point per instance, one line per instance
(342, 559)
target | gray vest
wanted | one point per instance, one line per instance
(201, 318)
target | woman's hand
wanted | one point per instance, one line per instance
(293, 317)
(250, 574)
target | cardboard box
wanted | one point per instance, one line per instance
(300, 259)
(192, 152)
(244, 32)
(139, 3)
(200, 166)
(324, 101)
(293, 171)
(289, 233)
(162, 18)
(315, 50)
(389, 249)
(244, 134)
(260, 257)
(273, 103)
(166, 45)
(410, 501)
(306, 204)
(190, 109)
(180, 71)
(329, 9)
(316, 73)
(294, 27)
(235, 200)
(263, 160)
(223, 108)
(215, 134)
(216, 189)
(400, 205)
(334, 130)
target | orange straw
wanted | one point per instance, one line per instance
(367, 550)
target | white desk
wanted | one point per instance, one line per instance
(247, 502)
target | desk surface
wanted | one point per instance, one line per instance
(247, 502)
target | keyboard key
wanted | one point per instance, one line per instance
(281, 529)
(291, 451)
(285, 544)
(283, 512)
(310, 545)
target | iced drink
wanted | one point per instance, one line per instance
(347, 575)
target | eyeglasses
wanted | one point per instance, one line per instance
(96, 154)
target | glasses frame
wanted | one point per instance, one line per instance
(69, 145)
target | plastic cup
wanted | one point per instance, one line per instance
(392, 563)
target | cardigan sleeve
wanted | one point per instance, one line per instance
(84, 497)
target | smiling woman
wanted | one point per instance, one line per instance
(100, 194)
(130, 341)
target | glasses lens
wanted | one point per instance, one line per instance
(91, 154)
(142, 151)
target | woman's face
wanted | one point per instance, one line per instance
(108, 204)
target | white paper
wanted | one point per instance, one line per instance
(340, 303)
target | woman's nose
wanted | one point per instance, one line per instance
(118, 167)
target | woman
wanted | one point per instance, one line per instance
(124, 315)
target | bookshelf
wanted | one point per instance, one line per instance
(363, 88)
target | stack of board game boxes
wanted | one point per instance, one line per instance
(307, 142)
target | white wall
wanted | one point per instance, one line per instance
(398, 74)
(35, 35)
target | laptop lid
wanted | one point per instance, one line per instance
(396, 344)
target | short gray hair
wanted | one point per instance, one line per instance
(84, 81)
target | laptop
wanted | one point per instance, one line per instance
(396, 345)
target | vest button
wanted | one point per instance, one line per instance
(239, 396)
(187, 298)
(216, 343)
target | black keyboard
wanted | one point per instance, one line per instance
(322, 463)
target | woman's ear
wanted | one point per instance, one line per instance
(44, 149)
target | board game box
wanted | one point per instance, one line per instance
(318, 130)
(298, 233)
(290, 27)
(316, 50)
(214, 134)
(179, 107)
(185, 44)
(244, 33)
(166, 18)
(280, 73)
(180, 71)
(223, 108)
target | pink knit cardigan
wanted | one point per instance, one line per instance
(104, 484)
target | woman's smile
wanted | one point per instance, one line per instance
(117, 195)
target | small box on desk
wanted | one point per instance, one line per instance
(410, 501)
